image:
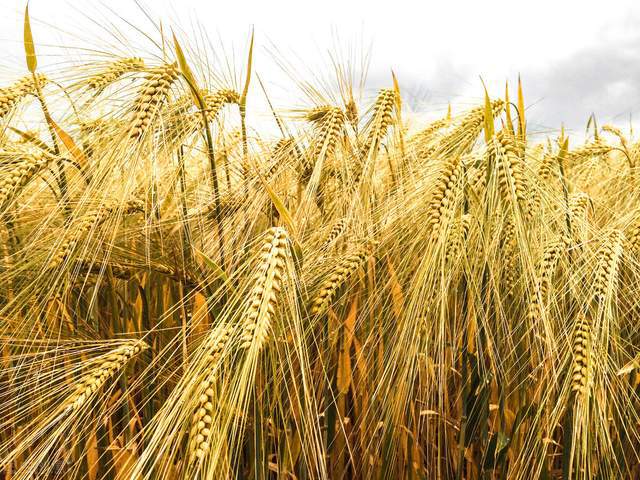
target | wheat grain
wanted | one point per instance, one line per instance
(346, 267)
(24, 171)
(114, 71)
(151, 97)
(457, 239)
(582, 340)
(200, 432)
(337, 230)
(113, 363)
(267, 285)
(608, 256)
(10, 96)
(381, 119)
(442, 204)
(88, 221)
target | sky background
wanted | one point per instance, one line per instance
(574, 57)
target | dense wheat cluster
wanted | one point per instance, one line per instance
(185, 294)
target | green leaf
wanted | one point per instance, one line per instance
(522, 123)
(286, 217)
(396, 88)
(184, 68)
(32, 138)
(68, 142)
(564, 148)
(279, 204)
(243, 98)
(29, 48)
(498, 445)
(507, 108)
(488, 116)
(217, 269)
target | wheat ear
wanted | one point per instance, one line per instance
(609, 256)
(381, 119)
(214, 101)
(86, 223)
(200, 433)
(337, 230)
(10, 96)
(97, 377)
(346, 267)
(510, 171)
(151, 98)
(114, 71)
(267, 285)
(597, 148)
(582, 340)
(25, 170)
(457, 238)
(442, 204)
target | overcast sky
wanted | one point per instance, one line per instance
(574, 57)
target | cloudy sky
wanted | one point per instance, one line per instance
(574, 57)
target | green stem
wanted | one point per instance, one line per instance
(62, 176)
(212, 163)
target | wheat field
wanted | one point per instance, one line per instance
(185, 294)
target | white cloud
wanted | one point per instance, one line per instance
(570, 53)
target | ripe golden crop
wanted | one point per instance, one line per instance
(186, 295)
